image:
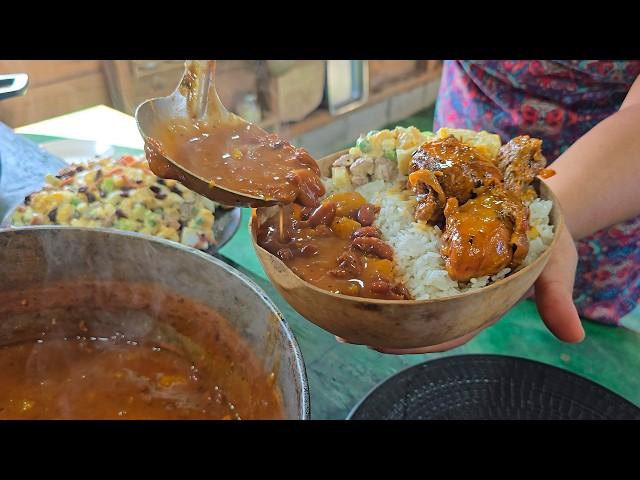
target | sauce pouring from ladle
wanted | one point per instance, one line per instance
(191, 137)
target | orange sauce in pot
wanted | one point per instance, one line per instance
(100, 351)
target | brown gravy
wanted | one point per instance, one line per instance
(333, 246)
(179, 361)
(546, 173)
(241, 158)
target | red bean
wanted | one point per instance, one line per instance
(305, 212)
(285, 254)
(367, 214)
(367, 232)
(401, 291)
(380, 286)
(349, 264)
(322, 215)
(323, 231)
(373, 246)
(310, 187)
(309, 250)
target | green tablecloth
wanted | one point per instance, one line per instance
(339, 374)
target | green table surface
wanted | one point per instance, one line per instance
(340, 374)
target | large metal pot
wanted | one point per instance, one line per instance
(49, 256)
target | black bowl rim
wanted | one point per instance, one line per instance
(480, 356)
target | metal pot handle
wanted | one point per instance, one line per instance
(13, 85)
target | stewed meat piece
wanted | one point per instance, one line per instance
(457, 168)
(520, 161)
(485, 235)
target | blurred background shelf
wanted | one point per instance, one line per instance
(288, 97)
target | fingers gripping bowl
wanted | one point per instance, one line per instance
(407, 323)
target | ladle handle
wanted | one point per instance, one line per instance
(198, 85)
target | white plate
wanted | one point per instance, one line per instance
(73, 151)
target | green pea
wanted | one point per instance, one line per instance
(363, 144)
(108, 185)
(391, 154)
(125, 224)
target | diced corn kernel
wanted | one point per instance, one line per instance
(388, 144)
(120, 181)
(65, 212)
(168, 233)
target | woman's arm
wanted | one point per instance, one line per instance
(598, 177)
(598, 185)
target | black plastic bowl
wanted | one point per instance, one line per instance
(490, 387)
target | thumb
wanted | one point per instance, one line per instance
(554, 292)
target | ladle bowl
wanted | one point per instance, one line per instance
(195, 98)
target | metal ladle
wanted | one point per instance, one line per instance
(194, 99)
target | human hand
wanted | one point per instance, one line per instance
(554, 291)
(553, 296)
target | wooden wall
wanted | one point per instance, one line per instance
(56, 87)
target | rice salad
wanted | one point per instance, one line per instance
(123, 194)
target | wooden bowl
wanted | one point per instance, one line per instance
(402, 323)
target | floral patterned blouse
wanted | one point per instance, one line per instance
(557, 101)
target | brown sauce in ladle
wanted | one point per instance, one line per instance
(242, 158)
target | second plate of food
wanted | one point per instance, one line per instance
(124, 194)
